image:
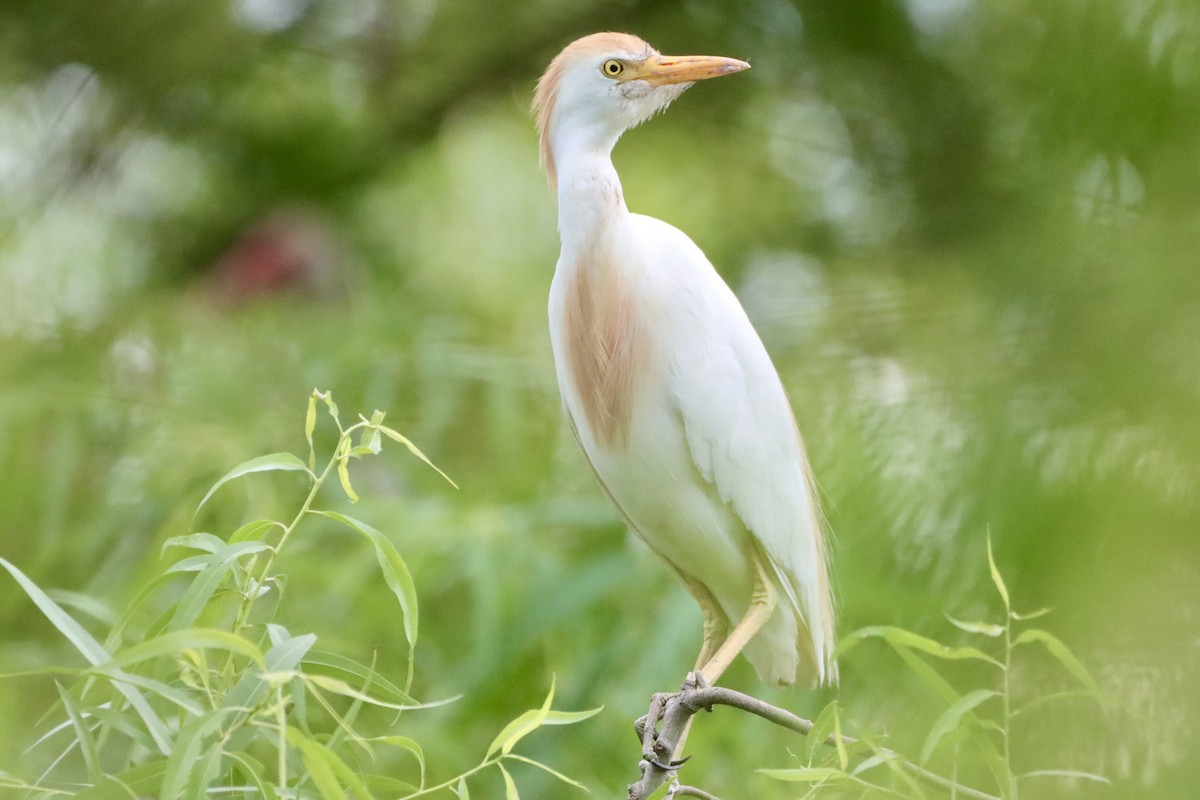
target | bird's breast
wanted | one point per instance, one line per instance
(607, 342)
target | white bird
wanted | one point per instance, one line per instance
(667, 386)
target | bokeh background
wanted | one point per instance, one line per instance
(968, 231)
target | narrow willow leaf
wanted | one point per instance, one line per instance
(275, 462)
(283, 657)
(996, 579)
(252, 771)
(189, 743)
(203, 772)
(1060, 651)
(541, 766)
(396, 436)
(874, 761)
(347, 666)
(927, 673)
(395, 572)
(343, 470)
(388, 786)
(569, 717)
(189, 564)
(900, 636)
(952, 717)
(1064, 773)
(176, 642)
(411, 746)
(310, 425)
(194, 541)
(1041, 612)
(310, 748)
(83, 734)
(839, 742)
(318, 765)
(327, 398)
(87, 604)
(461, 790)
(206, 583)
(520, 727)
(510, 788)
(140, 781)
(255, 531)
(804, 774)
(822, 727)
(286, 655)
(91, 650)
(346, 690)
(985, 628)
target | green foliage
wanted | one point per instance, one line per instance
(974, 732)
(199, 690)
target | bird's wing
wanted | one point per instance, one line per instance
(743, 436)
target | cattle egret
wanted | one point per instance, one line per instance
(667, 386)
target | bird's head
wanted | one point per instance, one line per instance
(601, 85)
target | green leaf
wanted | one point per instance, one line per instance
(520, 727)
(996, 579)
(190, 741)
(412, 448)
(326, 767)
(317, 763)
(411, 746)
(1064, 773)
(822, 726)
(1065, 657)
(81, 602)
(283, 657)
(510, 788)
(927, 673)
(310, 425)
(569, 717)
(254, 531)
(461, 790)
(194, 541)
(275, 462)
(804, 774)
(343, 471)
(985, 628)
(541, 766)
(91, 650)
(875, 761)
(349, 667)
(900, 636)
(951, 717)
(253, 771)
(201, 590)
(83, 734)
(188, 639)
(346, 690)
(395, 572)
(1041, 612)
(140, 781)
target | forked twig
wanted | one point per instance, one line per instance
(674, 711)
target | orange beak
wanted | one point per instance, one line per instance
(664, 70)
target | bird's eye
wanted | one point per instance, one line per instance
(612, 68)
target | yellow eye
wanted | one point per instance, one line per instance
(612, 68)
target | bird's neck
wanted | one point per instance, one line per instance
(590, 200)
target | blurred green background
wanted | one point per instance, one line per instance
(968, 231)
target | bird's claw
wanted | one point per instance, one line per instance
(669, 766)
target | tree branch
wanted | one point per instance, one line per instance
(675, 710)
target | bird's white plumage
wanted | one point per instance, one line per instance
(670, 391)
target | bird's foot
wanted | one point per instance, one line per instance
(654, 749)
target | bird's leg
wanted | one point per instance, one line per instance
(763, 600)
(716, 627)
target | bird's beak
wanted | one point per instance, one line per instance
(664, 70)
